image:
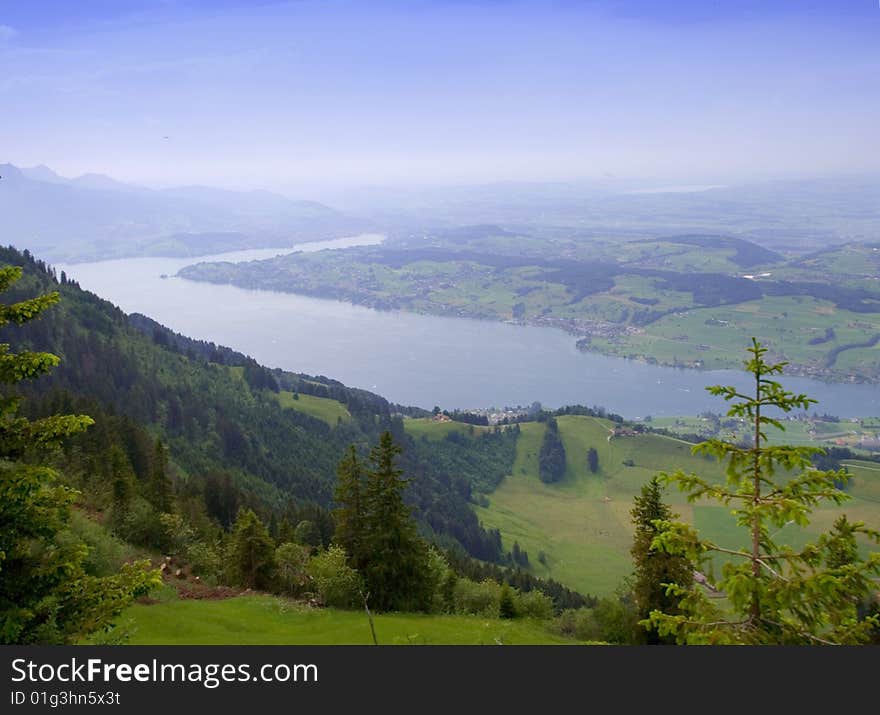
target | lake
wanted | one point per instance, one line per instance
(419, 359)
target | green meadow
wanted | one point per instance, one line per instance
(323, 408)
(270, 620)
(579, 531)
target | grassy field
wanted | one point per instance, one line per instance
(583, 525)
(268, 620)
(432, 430)
(330, 411)
(804, 432)
(714, 336)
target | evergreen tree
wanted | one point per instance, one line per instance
(122, 484)
(307, 534)
(45, 594)
(655, 569)
(395, 570)
(349, 516)
(551, 458)
(593, 460)
(506, 606)
(774, 593)
(252, 552)
(160, 491)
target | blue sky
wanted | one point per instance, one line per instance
(286, 95)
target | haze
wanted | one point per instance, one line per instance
(292, 96)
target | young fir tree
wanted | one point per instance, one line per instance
(395, 569)
(774, 593)
(252, 551)
(46, 596)
(349, 516)
(654, 569)
(160, 490)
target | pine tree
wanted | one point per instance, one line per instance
(506, 606)
(395, 569)
(593, 460)
(45, 594)
(160, 491)
(252, 552)
(349, 516)
(551, 457)
(774, 593)
(655, 569)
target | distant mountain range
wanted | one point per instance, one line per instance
(94, 217)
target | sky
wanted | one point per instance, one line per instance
(288, 95)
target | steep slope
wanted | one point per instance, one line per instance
(219, 411)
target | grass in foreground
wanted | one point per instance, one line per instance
(269, 620)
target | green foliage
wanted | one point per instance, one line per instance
(437, 575)
(551, 458)
(394, 558)
(611, 620)
(506, 605)
(534, 604)
(349, 516)
(593, 460)
(252, 552)
(480, 599)
(292, 560)
(46, 595)
(336, 582)
(775, 594)
(307, 533)
(106, 552)
(177, 533)
(655, 570)
(140, 524)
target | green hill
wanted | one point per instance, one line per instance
(224, 418)
(582, 524)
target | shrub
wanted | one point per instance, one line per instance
(336, 583)
(140, 525)
(205, 561)
(480, 599)
(292, 560)
(107, 553)
(534, 604)
(437, 573)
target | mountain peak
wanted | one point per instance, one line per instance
(41, 172)
(10, 172)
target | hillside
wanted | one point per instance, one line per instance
(225, 419)
(579, 531)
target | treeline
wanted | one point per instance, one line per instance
(551, 457)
